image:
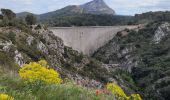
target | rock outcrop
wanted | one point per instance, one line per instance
(97, 7)
(114, 53)
(162, 31)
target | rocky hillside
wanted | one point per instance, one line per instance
(145, 54)
(35, 64)
(20, 45)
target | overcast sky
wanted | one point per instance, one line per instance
(122, 7)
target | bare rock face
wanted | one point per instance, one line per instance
(162, 31)
(24, 47)
(9, 48)
(30, 40)
(114, 54)
(19, 58)
(97, 7)
(42, 47)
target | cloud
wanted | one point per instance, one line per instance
(130, 7)
(27, 2)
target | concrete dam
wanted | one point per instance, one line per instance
(87, 39)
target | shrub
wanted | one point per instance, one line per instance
(30, 19)
(120, 94)
(38, 27)
(5, 97)
(12, 36)
(135, 97)
(1, 16)
(117, 91)
(39, 71)
(8, 14)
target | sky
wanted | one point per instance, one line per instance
(122, 7)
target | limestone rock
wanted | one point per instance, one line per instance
(162, 31)
(19, 58)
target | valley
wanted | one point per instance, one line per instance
(84, 51)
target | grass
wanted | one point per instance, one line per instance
(11, 84)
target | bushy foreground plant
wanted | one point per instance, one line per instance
(135, 97)
(14, 86)
(49, 88)
(5, 97)
(120, 94)
(39, 71)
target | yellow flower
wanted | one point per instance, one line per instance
(39, 71)
(5, 97)
(135, 97)
(43, 63)
(116, 90)
(120, 94)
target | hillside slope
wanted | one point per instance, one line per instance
(21, 44)
(144, 53)
(35, 65)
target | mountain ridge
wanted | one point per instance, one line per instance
(92, 7)
(97, 7)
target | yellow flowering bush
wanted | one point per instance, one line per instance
(120, 94)
(43, 63)
(39, 71)
(5, 97)
(117, 91)
(135, 97)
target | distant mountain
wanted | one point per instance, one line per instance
(72, 9)
(24, 14)
(94, 13)
(97, 7)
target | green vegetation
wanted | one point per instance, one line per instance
(7, 13)
(12, 85)
(151, 75)
(30, 84)
(8, 18)
(86, 20)
(12, 36)
(152, 16)
(119, 93)
(30, 19)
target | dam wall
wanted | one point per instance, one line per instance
(87, 39)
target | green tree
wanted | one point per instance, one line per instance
(7, 13)
(1, 16)
(12, 36)
(30, 19)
